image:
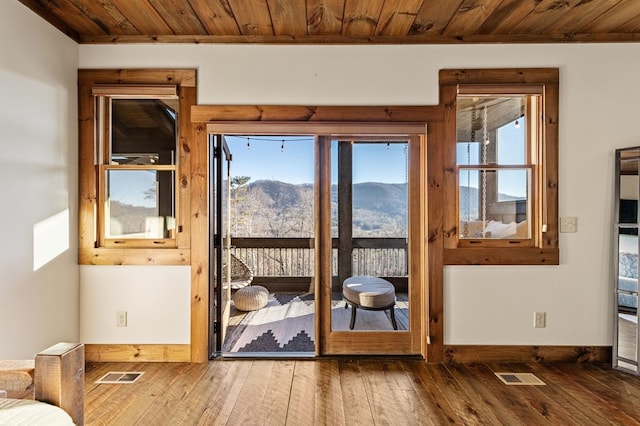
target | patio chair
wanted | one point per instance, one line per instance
(241, 274)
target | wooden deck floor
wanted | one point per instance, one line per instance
(359, 391)
(237, 319)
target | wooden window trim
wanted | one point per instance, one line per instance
(104, 95)
(532, 163)
(127, 83)
(136, 91)
(545, 249)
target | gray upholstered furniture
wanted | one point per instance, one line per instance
(369, 293)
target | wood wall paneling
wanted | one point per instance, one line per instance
(200, 295)
(185, 142)
(341, 21)
(397, 17)
(137, 353)
(194, 183)
(436, 133)
(546, 252)
(191, 202)
(417, 256)
(324, 17)
(470, 16)
(538, 354)
(300, 113)
(216, 16)
(134, 256)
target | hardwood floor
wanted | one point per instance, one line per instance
(359, 391)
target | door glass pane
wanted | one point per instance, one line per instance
(225, 188)
(271, 231)
(140, 204)
(372, 222)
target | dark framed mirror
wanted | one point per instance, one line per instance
(626, 350)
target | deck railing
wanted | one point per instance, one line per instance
(295, 257)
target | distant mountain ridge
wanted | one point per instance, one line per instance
(390, 198)
(379, 209)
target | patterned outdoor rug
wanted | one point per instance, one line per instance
(287, 324)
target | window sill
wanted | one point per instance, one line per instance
(502, 256)
(134, 256)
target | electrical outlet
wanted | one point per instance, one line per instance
(539, 319)
(121, 318)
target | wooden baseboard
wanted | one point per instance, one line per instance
(490, 353)
(138, 353)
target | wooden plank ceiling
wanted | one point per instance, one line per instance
(343, 21)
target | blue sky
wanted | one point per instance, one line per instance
(265, 158)
(510, 151)
(129, 186)
(295, 164)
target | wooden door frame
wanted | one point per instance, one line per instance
(332, 342)
(225, 118)
(219, 154)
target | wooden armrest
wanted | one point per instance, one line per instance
(16, 375)
(59, 378)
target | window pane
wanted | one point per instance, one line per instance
(512, 185)
(511, 143)
(494, 203)
(143, 131)
(468, 153)
(139, 204)
(491, 130)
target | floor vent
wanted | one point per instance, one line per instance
(119, 377)
(526, 379)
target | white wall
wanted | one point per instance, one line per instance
(598, 113)
(38, 170)
(156, 300)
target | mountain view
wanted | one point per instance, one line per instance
(471, 209)
(268, 208)
(274, 209)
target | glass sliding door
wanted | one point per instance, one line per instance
(220, 254)
(372, 288)
(314, 242)
(370, 226)
(271, 215)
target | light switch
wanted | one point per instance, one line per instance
(568, 224)
(121, 318)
